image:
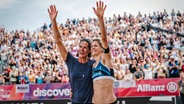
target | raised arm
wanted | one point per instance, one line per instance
(99, 11)
(53, 14)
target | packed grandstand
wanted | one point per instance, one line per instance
(143, 46)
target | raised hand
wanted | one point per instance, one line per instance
(100, 8)
(52, 12)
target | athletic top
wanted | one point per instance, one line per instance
(80, 79)
(101, 72)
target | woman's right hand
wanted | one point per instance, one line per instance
(71, 94)
(52, 12)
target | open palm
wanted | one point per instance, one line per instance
(52, 12)
(100, 8)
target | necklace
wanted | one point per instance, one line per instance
(82, 68)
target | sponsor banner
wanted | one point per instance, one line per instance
(157, 87)
(8, 93)
(35, 92)
(58, 91)
(48, 91)
(22, 88)
(124, 83)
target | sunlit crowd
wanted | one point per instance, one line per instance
(143, 46)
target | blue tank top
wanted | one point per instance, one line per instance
(39, 80)
(101, 72)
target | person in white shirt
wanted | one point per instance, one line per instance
(128, 75)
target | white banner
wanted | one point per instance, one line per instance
(22, 88)
(124, 83)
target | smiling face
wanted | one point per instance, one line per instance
(83, 49)
(96, 48)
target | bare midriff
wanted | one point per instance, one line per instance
(103, 91)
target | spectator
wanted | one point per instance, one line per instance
(31, 76)
(173, 68)
(22, 78)
(2, 80)
(39, 78)
(133, 66)
(65, 78)
(6, 77)
(13, 75)
(128, 75)
(57, 78)
(161, 72)
(119, 74)
(127, 40)
(48, 78)
(156, 64)
(173, 14)
(148, 71)
(138, 74)
(4, 57)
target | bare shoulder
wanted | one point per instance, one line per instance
(107, 60)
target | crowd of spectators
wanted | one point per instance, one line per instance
(139, 51)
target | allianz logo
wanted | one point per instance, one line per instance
(170, 87)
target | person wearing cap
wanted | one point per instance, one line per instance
(148, 71)
(173, 68)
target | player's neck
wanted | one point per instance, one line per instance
(97, 58)
(82, 60)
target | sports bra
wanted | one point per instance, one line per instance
(101, 72)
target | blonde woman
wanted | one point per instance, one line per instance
(31, 77)
(161, 72)
(102, 75)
